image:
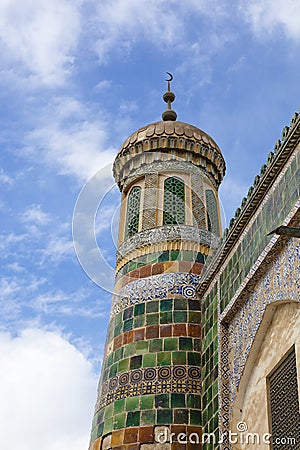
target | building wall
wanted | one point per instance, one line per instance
(277, 335)
(249, 271)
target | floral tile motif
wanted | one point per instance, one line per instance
(155, 287)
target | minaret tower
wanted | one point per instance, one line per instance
(150, 387)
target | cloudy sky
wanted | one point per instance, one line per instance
(77, 77)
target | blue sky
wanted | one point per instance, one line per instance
(77, 77)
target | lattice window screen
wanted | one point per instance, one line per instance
(212, 212)
(174, 202)
(284, 404)
(133, 211)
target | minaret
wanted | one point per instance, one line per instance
(150, 387)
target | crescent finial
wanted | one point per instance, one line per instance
(170, 75)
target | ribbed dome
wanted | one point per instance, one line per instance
(169, 129)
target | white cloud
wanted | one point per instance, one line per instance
(42, 36)
(47, 390)
(35, 214)
(270, 17)
(127, 22)
(71, 138)
(58, 248)
(5, 179)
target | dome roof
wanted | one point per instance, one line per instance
(169, 129)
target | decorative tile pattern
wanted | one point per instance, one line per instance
(149, 212)
(155, 287)
(167, 233)
(151, 380)
(176, 164)
(280, 282)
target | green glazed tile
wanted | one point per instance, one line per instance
(113, 370)
(118, 354)
(177, 400)
(152, 319)
(155, 345)
(152, 306)
(118, 329)
(148, 417)
(139, 309)
(118, 318)
(170, 344)
(193, 401)
(194, 359)
(142, 347)
(166, 317)
(174, 255)
(109, 411)
(119, 421)
(139, 321)
(187, 256)
(132, 404)
(152, 258)
(164, 416)
(133, 419)
(164, 256)
(147, 401)
(179, 357)
(180, 304)
(149, 360)
(164, 359)
(180, 316)
(166, 305)
(181, 416)
(108, 426)
(194, 317)
(129, 350)
(128, 325)
(195, 417)
(136, 362)
(162, 401)
(127, 313)
(185, 343)
(100, 429)
(119, 406)
(123, 365)
(132, 265)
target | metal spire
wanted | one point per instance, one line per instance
(169, 97)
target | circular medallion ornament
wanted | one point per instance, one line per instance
(189, 291)
(194, 373)
(164, 373)
(179, 372)
(123, 379)
(104, 389)
(136, 376)
(113, 383)
(149, 374)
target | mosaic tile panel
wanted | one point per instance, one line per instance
(151, 372)
(198, 207)
(280, 282)
(167, 255)
(278, 204)
(210, 355)
(167, 233)
(149, 212)
(155, 287)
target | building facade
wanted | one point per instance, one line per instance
(204, 326)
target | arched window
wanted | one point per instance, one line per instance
(133, 211)
(174, 202)
(212, 212)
